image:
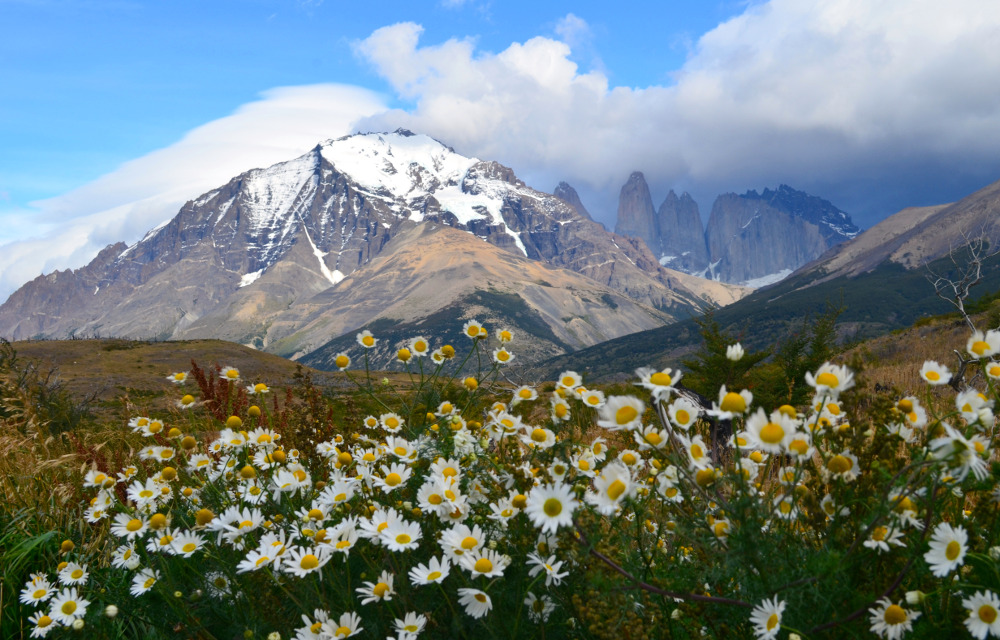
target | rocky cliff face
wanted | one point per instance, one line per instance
(636, 216)
(235, 259)
(753, 239)
(568, 194)
(749, 239)
(682, 241)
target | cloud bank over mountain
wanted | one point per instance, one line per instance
(857, 101)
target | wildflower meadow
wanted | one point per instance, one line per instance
(454, 502)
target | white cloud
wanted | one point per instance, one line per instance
(141, 193)
(810, 93)
(573, 30)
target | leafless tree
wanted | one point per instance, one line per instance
(955, 289)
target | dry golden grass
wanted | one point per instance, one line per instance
(894, 360)
(109, 366)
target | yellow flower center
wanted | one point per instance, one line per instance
(368, 341)
(626, 415)
(403, 538)
(524, 394)
(480, 597)
(661, 379)
(39, 593)
(952, 550)
(696, 451)
(704, 477)
(987, 614)
(629, 459)
(44, 621)
(380, 589)
(68, 607)
(420, 346)
(309, 561)
(879, 533)
(539, 435)
(342, 362)
(77, 574)
(316, 627)
(682, 416)
(772, 621)
(895, 614)
(483, 565)
(772, 433)
(342, 632)
(435, 499)
(469, 543)
(616, 489)
(734, 402)
(933, 376)
(839, 464)
(827, 379)
(979, 347)
(653, 438)
(552, 507)
(433, 575)
(134, 524)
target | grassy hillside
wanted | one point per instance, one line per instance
(98, 373)
(875, 303)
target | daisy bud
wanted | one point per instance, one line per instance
(914, 598)
(234, 422)
(995, 553)
(734, 352)
(254, 411)
(274, 635)
(111, 611)
(78, 624)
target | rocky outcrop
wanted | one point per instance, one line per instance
(749, 239)
(568, 194)
(636, 215)
(682, 240)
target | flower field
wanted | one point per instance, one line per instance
(448, 501)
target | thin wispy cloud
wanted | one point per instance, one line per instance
(124, 204)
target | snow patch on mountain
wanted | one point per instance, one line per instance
(769, 279)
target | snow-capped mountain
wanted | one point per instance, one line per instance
(243, 261)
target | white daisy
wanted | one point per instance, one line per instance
(67, 606)
(377, 591)
(144, 581)
(435, 571)
(948, 546)
(984, 614)
(477, 603)
(890, 620)
(551, 506)
(766, 618)
(621, 412)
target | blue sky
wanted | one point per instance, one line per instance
(90, 84)
(115, 112)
